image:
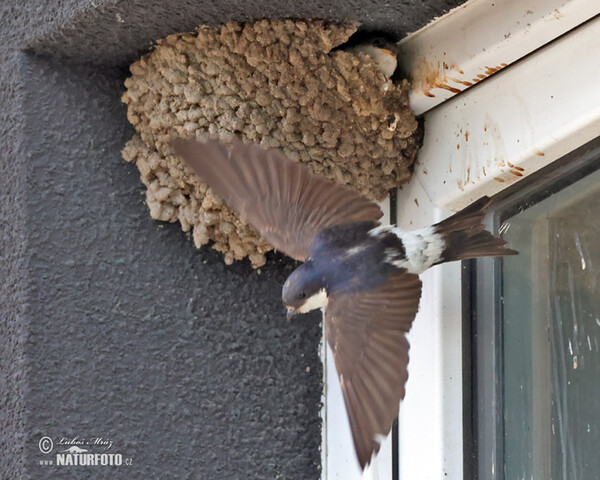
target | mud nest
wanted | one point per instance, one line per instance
(275, 83)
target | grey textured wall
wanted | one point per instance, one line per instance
(113, 325)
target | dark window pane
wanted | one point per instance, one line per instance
(551, 337)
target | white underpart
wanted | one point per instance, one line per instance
(318, 300)
(423, 248)
(384, 58)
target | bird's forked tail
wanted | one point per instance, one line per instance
(466, 237)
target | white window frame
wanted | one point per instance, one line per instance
(529, 114)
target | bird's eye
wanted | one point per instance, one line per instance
(301, 295)
(378, 42)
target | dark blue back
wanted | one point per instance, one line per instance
(351, 260)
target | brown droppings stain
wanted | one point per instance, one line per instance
(272, 82)
(450, 89)
(510, 164)
(498, 179)
(424, 171)
(460, 185)
(467, 136)
(519, 169)
(462, 82)
(468, 174)
(516, 173)
(481, 76)
(504, 64)
(431, 76)
(457, 146)
(485, 127)
(484, 174)
(491, 70)
(540, 154)
(416, 202)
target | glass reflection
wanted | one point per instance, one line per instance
(551, 325)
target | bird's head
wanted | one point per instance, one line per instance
(381, 50)
(304, 290)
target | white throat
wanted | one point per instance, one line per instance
(385, 59)
(318, 300)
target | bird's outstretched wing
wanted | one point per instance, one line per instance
(281, 199)
(367, 334)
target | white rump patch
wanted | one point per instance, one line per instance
(318, 300)
(423, 247)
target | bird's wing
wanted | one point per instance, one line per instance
(367, 334)
(281, 199)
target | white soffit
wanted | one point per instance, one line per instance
(515, 123)
(478, 39)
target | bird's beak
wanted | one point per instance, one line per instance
(389, 52)
(291, 311)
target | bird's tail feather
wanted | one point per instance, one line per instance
(466, 237)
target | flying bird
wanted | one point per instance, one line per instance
(364, 276)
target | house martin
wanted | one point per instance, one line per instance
(363, 275)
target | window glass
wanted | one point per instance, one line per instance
(551, 337)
